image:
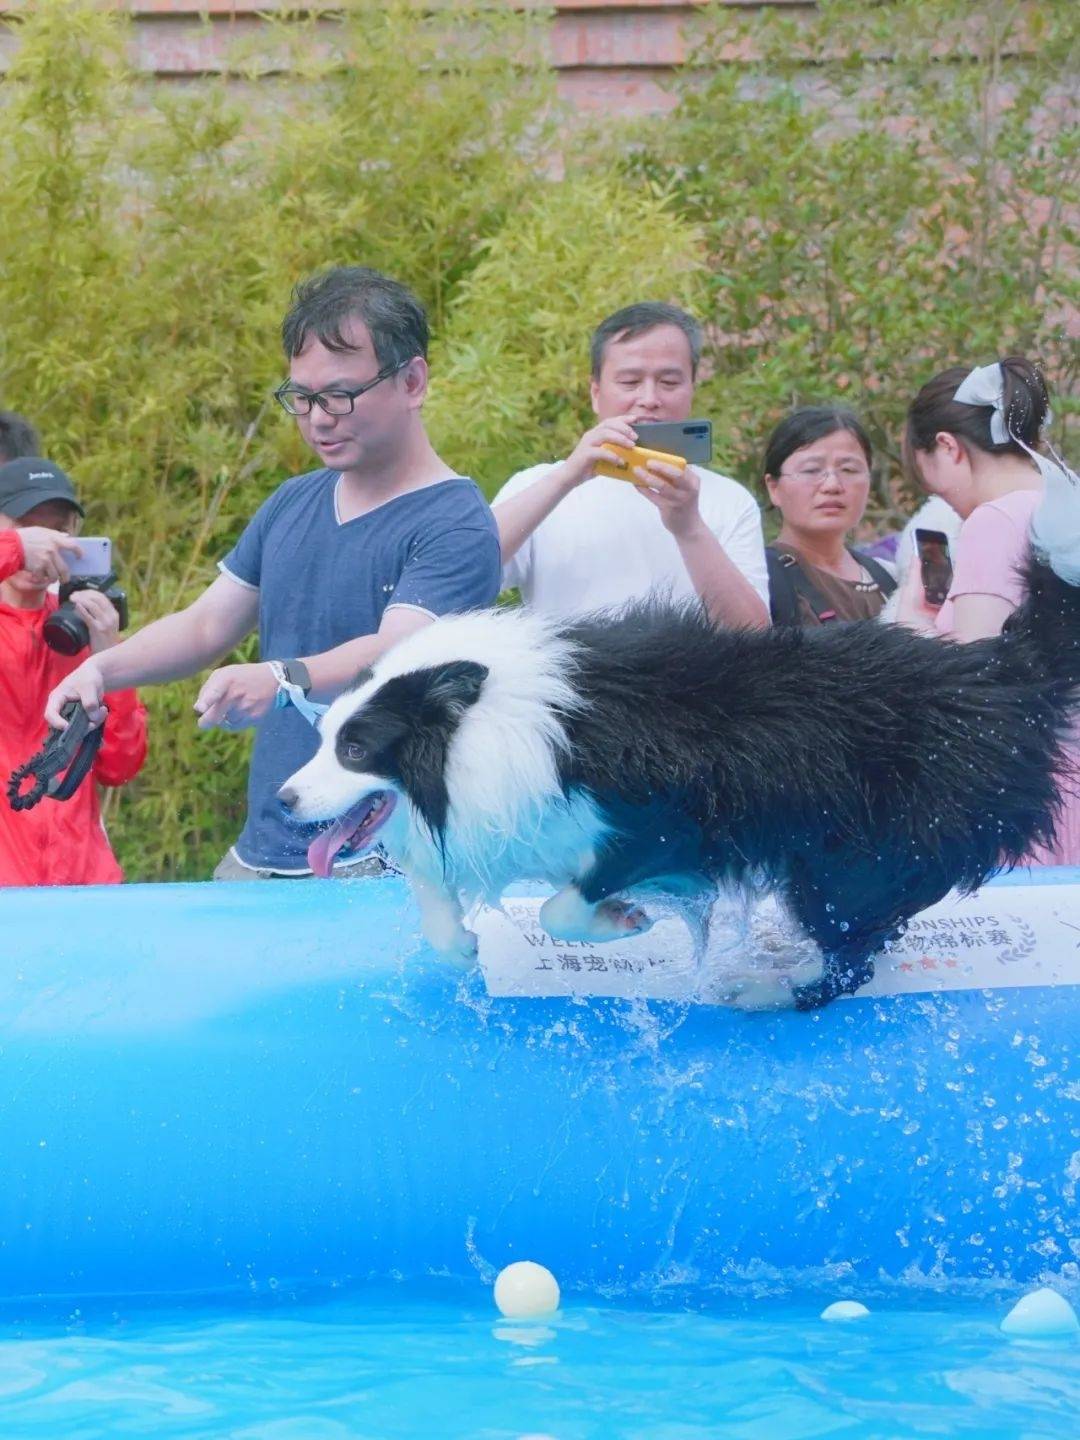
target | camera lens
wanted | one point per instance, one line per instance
(65, 631)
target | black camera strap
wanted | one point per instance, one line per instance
(62, 763)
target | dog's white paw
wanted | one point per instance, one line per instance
(467, 947)
(764, 993)
(617, 919)
(443, 930)
(452, 941)
(567, 916)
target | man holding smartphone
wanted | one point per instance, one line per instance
(574, 541)
(55, 843)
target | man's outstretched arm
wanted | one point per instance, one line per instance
(171, 648)
(237, 696)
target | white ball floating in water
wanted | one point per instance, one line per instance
(525, 1289)
(1042, 1315)
(844, 1310)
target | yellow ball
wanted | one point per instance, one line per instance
(525, 1289)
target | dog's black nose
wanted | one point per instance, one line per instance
(288, 797)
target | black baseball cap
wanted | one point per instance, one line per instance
(31, 481)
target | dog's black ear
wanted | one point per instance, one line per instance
(456, 685)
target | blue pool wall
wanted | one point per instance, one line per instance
(235, 1087)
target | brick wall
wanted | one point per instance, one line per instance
(610, 55)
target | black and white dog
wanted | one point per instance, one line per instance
(858, 771)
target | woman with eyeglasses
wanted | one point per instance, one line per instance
(817, 472)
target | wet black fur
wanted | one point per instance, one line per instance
(861, 769)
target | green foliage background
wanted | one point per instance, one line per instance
(850, 199)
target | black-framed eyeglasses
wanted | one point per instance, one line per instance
(339, 401)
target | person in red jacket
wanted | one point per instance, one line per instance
(56, 842)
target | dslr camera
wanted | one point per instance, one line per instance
(66, 631)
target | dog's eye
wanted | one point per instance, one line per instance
(355, 753)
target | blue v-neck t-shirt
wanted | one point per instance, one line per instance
(322, 582)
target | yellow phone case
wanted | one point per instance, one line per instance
(637, 456)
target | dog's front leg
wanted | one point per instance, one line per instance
(567, 915)
(441, 918)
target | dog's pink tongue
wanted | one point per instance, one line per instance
(324, 847)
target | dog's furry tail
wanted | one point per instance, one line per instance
(1055, 526)
(1049, 618)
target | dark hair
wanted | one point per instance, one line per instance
(634, 320)
(18, 437)
(934, 410)
(807, 424)
(390, 310)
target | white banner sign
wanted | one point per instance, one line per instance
(1003, 937)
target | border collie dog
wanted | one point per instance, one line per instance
(859, 771)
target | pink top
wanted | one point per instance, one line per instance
(989, 551)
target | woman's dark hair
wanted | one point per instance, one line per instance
(807, 424)
(390, 310)
(1025, 397)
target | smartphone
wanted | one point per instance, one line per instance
(96, 557)
(692, 439)
(936, 566)
(675, 442)
(637, 456)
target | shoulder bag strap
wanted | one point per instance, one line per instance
(885, 582)
(791, 581)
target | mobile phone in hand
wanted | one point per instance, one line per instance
(692, 439)
(672, 442)
(935, 564)
(638, 456)
(96, 557)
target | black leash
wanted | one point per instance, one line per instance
(62, 763)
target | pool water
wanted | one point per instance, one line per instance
(444, 1366)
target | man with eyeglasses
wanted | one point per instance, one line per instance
(338, 565)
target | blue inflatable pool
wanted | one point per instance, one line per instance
(206, 1087)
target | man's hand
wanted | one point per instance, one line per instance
(674, 493)
(87, 685)
(101, 618)
(236, 696)
(46, 552)
(589, 451)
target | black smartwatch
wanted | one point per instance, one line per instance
(292, 672)
(296, 673)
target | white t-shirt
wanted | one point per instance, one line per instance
(604, 544)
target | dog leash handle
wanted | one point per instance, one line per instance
(292, 695)
(62, 763)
